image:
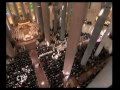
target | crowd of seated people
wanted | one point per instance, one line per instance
(52, 67)
(20, 73)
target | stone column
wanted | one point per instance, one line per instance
(55, 23)
(69, 16)
(9, 49)
(8, 23)
(39, 17)
(23, 10)
(77, 19)
(46, 20)
(11, 16)
(97, 29)
(100, 47)
(15, 8)
(51, 10)
(63, 21)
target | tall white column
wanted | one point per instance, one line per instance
(55, 17)
(63, 21)
(100, 47)
(23, 10)
(69, 16)
(15, 8)
(97, 29)
(77, 19)
(46, 20)
(39, 17)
